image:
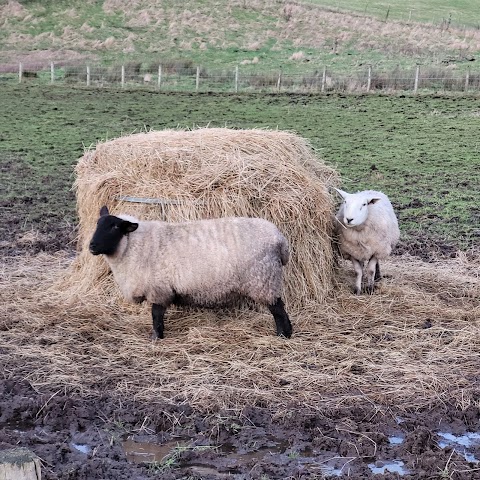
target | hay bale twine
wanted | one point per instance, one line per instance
(209, 173)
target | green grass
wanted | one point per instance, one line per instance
(270, 31)
(461, 12)
(423, 151)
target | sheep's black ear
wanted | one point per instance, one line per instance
(128, 227)
(374, 200)
(103, 211)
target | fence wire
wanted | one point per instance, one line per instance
(174, 78)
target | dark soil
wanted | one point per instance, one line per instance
(79, 438)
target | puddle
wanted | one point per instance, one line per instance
(81, 448)
(331, 471)
(231, 457)
(395, 440)
(460, 443)
(392, 466)
(468, 440)
(146, 452)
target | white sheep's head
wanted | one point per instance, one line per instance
(355, 207)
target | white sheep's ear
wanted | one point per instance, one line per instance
(104, 211)
(373, 200)
(341, 193)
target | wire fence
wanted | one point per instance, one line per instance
(184, 78)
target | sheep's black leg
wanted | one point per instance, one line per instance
(284, 327)
(378, 275)
(158, 312)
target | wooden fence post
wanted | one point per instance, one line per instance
(88, 75)
(20, 72)
(417, 79)
(159, 77)
(324, 78)
(197, 79)
(236, 79)
(123, 76)
(19, 464)
(279, 81)
(369, 78)
(52, 73)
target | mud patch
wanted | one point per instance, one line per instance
(110, 438)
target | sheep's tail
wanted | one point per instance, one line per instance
(284, 251)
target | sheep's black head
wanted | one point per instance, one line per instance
(109, 232)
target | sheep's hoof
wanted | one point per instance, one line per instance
(369, 289)
(156, 337)
(357, 291)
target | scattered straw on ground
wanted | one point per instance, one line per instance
(415, 342)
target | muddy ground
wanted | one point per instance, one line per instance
(103, 438)
(110, 438)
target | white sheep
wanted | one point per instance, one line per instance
(367, 231)
(201, 263)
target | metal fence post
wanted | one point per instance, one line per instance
(369, 78)
(197, 79)
(279, 81)
(20, 72)
(88, 75)
(236, 79)
(52, 73)
(123, 76)
(467, 79)
(159, 77)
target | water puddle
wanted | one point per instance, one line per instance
(81, 447)
(231, 457)
(391, 466)
(461, 443)
(395, 440)
(146, 452)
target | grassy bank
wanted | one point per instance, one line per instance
(262, 35)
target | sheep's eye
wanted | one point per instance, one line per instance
(364, 205)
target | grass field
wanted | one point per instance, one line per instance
(258, 35)
(464, 12)
(422, 151)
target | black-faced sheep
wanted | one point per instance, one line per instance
(367, 230)
(200, 263)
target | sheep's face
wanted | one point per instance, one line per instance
(109, 233)
(355, 208)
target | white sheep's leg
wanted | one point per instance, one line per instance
(371, 273)
(284, 326)
(358, 267)
(158, 312)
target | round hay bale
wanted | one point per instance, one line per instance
(210, 173)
